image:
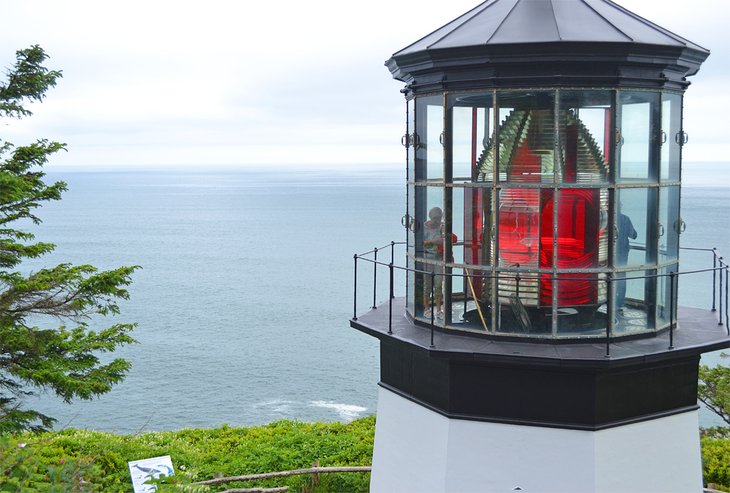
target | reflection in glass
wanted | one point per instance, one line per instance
(584, 136)
(586, 318)
(526, 139)
(637, 116)
(528, 255)
(427, 140)
(472, 115)
(631, 227)
(671, 137)
(429, 249)
(664, 296)
(669, 224)
(633, 307)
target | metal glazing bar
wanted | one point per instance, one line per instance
(727, 285)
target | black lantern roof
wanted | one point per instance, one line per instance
(522, 43)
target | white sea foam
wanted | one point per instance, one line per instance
(347, 412)
(280, 407)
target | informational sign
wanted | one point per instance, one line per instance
(145, 469)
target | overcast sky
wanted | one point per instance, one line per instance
(150, 84)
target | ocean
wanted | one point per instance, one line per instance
(246, 287)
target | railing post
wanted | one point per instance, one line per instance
(392, 262)
(433, 300)
(375, 276)
(390, 301)
(609, 312)
(721, 264)
(727, 284)
(714, 276)
(672, 290)
(354, 296)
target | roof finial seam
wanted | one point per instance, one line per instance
(555, 19)
(666, 32)
(476, 10)
(504, 19)
(607, 21)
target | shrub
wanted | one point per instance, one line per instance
(90, 461)
(716, 461)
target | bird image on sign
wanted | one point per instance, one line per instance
(146, 469)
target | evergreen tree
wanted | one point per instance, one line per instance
(714, 389)
(64, 359)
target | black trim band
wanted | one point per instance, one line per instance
(541, 424)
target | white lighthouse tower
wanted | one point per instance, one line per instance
(539, 347)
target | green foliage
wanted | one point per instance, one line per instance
(40, 467)
(714, 389)
(64, 360)
(89, 461)
(95, 461)
(716, 461)
(28, 80)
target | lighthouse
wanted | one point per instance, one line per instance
(539, 346)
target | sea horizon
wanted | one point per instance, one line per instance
(245, 293)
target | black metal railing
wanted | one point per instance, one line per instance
(720, 290)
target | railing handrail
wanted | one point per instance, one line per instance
(719, 265)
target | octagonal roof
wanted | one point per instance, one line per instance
(569, 33)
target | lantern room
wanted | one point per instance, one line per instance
(544, 170)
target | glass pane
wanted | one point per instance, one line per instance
(637, 128)
(578, 248)
(585, 136)
(668, 224)
(470, 300)
(519, 243)
(632, 227)
(664, 296)
(634, 302)
(430, 248)
(476, 235)
(429, 128)
(518, 311)
(526, 136)
(587, 317)
(473, 116)
(519, 227)
(457, 225)
(579, 221)
(429, 224)
(670, 138)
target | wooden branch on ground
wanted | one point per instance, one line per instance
(280, 489)
(281, 474)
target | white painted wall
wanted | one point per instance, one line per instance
(418, 450)
(658, 456)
